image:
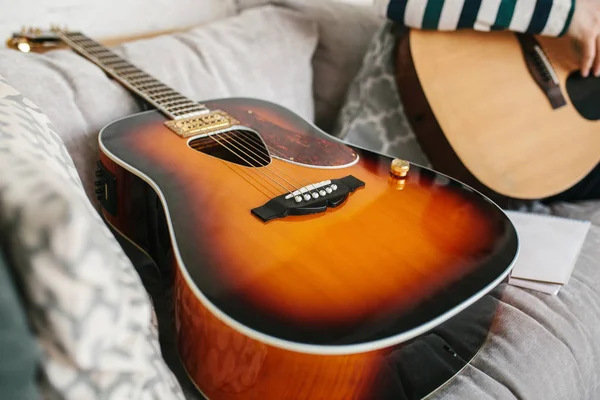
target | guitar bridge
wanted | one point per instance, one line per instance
(201, 124)
(311, 199)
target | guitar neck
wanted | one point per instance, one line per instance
(164, 98)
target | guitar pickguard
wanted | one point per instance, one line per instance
(288, 136)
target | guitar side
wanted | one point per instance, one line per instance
(481, 117)
(294, 308)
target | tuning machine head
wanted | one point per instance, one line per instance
(35, 39)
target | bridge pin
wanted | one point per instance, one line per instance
(307, 197)
(328, 189)
(334, 186)
(315, 195)
(298, 199)
(322, 192)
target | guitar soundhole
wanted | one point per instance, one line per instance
(241, 147)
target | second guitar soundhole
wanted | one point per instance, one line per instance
(585, 95)
(238, 146)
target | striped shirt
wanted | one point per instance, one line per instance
(543, 17)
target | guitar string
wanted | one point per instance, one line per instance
(254, 168)
(266, 149)
(254, 141)
(271, 169)
(81, 43)
(266, 157)
(251, 176)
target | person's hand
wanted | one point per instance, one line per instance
(585, 32)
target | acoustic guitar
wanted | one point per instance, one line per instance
(506, 113)
(302, 267)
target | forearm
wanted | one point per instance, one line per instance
(545, 17)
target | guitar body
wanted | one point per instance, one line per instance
(380, 296)
(493, 118)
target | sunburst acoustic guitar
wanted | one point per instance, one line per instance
(303, 267)
(506, 113)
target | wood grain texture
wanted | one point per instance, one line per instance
(226, 364)
(390, 259)
(424, 123)
(495, 118)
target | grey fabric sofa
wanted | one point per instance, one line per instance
(540, 346)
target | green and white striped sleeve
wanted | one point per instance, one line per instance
(544, 17)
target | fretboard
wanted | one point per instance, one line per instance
(166, 99)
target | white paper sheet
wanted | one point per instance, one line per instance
(549, 248)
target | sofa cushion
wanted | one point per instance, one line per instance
(264, 52)
(345, 31)
(87, 307)
(20, 353)
(373, 114)
(541, 346)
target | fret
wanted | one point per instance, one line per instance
(176, 102)
(174, 107)
(116, 63)
(144, 80)
(163, 95)
(167, 95)
(126, 69)
(112, 58)
(140, 74)
(160, 91)
(166, 99)
(98, 51)
(182, 107)
(183, 110)
(146, 84)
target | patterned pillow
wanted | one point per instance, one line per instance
(85, 302)
(373, 115)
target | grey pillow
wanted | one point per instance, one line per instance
(373, 114)
(345, 31)
(264, 52)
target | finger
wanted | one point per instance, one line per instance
(589, 53)
(597, 58)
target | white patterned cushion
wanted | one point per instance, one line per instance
(87, 306)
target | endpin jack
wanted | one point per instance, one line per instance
(398, 172)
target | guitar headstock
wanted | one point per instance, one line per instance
(36, 40)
